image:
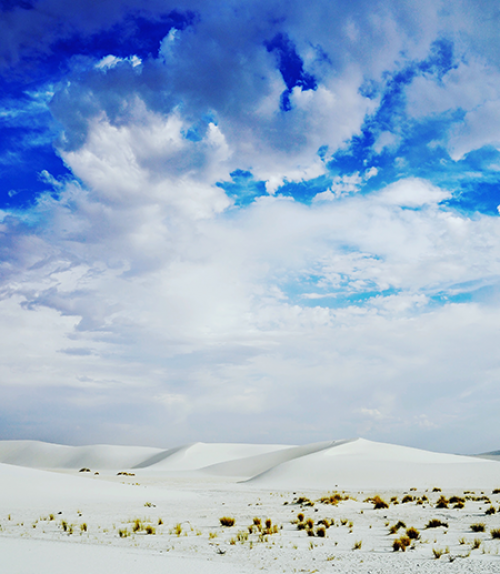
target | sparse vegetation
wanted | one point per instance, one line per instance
(442, 502)
(478, 527)
(401, 543)
(378, 503)
(84, 470)
(438, 552)
(227, 521)
(491, 510)
(412, 533)
(436, 523)
(495, 533)
(357, 545)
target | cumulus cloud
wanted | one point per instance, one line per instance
(144, 300)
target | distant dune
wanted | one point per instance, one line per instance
(36, 454)
(356, 463)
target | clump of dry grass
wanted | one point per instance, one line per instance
(395, 527)
(478, 527)
(303, 500)
(378, 502)
(495, 533)
(442, 502)
(357, 545)
(412, 533)
(491, 510)
(436, 523)
(438, 552)
(333, 498)
(407, 498)
(401, 543)
(227, 521)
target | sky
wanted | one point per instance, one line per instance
(249, 221)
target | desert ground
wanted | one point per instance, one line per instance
(352, 506)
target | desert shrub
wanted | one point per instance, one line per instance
(407, 498)
(212, 535)
(160, 521)
(476, 543)
(478, 527)
(137, 526)
(51, 517)
(438, 552)
(83, 527)
(456, 499)
(227, 521)
(495, 491)
(442, 502)
(149, 504)
(321, 531)
(459, 505)
(395, 527)
(325, 522)
(64, 525)
(495, 533)
(268, 523)
(401, 543)
(303, 500)
(178, 529)
(123, 533)
(412, 533)
(301, 526)
(436, 489)
(490, 510)
(357, 545)
(257, 521)
(333, 499)
(379, 503)
(436, 523)
(150, 529)
(84, 469)
(309, 523)
(394, 500)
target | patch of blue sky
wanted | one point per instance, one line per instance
(243, 188)
(27, 131)
(197, 131)
(291, 67)
(134, 35)
(305, 191)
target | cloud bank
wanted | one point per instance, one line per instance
(249, 221)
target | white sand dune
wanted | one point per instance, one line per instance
(29, 488)
(365, 464)
(60, 520)
(199, 455)
(36, 454)
(254, 465)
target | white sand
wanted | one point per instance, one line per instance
(195, 485)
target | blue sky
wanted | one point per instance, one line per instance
(252, 221)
